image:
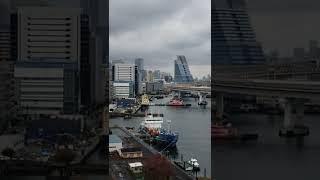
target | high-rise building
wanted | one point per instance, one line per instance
(79, 38)
(48, 59)
(123, 72)
(149, 76)
(299, 54)
(154, 87)
(49, 34)
(182, 72)
(123, 89)
(157, 74)
(166, 76)
(7, 98)
(139, 62)
(47, 88)
(233, 39)
(5, 44)
(314, 50)
(97, 10)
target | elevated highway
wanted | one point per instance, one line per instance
(305, 70)
(188, 87)
(294, 84)
(278, 88)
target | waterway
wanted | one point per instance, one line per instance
(271, 157)
(192, 123)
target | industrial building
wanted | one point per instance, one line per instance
(115, 144)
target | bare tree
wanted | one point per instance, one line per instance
(158, 167)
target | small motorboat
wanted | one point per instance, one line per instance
(194, 163)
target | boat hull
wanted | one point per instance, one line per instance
(166, 138)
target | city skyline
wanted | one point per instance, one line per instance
(158, 33)
(164, 70)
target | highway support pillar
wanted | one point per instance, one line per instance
(299, 107)
(220, 106)
(293, 118)
(288, 114)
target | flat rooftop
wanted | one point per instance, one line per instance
(114, 139)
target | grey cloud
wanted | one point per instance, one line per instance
(159, 30)
(285, 24)
(127, 15)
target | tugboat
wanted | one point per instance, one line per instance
(223, 130)
(176, 101)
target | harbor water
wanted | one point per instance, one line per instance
(193, 125)
(271, 156)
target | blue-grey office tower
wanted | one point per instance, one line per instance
(233, 39)
(182, 72)
(139, 75)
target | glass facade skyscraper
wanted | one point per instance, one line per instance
(233, 39)
(182, 72)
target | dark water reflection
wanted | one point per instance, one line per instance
(271, 157)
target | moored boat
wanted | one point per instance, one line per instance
(167, 138)
(152, 124)
(194, 164)
(223, 131)
(175, 101)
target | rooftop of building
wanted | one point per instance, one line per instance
(131, 149)
(135, 164)
(114, 139)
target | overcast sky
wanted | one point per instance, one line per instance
(158, 30)
(285, 24)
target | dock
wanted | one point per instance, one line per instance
(185, 105)
(119, 114)
(179, 173)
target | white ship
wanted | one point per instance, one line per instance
(152, 121)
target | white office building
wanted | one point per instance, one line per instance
(123, 72)
(123, 90)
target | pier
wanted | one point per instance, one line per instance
(185, 105)
(119, 114)
(149, 150)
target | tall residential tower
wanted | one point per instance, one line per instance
(182, 72)
(233, 39)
